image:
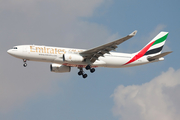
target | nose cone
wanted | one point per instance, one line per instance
(13, 52)
(9, 51)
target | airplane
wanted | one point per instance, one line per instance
(62, 59)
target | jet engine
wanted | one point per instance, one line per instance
(58, 68)
(72, 58)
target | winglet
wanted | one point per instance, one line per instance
(133, 33)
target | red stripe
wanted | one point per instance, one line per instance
(140, 54)
(81, 66)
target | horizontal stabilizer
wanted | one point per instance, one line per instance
(158, 56)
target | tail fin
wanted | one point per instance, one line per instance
(154, 47)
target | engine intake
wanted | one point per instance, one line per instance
(58, 68)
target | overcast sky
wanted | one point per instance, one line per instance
(149, 92)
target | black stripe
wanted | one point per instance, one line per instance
(153, 51)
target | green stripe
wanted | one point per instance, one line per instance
(160, 39)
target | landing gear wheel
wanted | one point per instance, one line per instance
(25, 64)
(80, 73)
(92, 70)
(85, 76)
(88, 67)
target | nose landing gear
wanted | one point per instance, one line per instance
(25, 64)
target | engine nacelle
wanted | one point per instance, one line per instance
(72, 58)
(58, 68)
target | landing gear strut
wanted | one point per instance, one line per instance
(25, 64)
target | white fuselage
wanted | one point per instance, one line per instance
(55, 55)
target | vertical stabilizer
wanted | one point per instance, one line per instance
(153, 48)
(156, 45)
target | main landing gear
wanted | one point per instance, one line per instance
(81, 72)
(84, 75)
(25, 64)
(88, 67)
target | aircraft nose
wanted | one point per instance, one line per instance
(9, 51)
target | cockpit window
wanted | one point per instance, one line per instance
(14, 47)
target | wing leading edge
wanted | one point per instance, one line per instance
(94, 53)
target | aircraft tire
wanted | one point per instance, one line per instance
(92, 70)
(80, 73)
(85, 76)
(88, 67)
(25, 64)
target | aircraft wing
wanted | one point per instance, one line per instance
(94, 53)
